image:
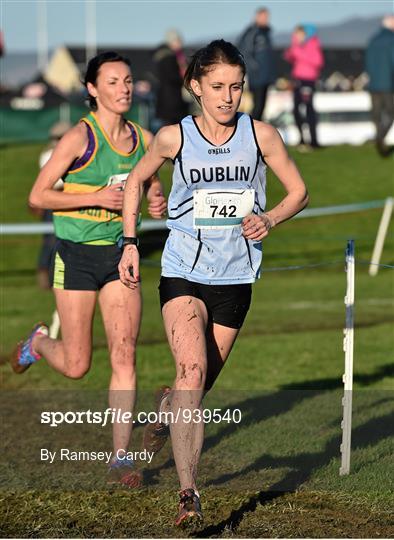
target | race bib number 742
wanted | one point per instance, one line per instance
(214, 209)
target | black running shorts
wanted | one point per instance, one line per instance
(84, 267)
(226, 304)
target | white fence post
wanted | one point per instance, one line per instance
(348, 345)
(55, 325)
(380, 237)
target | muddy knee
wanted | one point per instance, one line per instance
(123, 359)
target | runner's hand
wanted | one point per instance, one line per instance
(129, 267)
(157, 203)
(110, 197)
(256, 227)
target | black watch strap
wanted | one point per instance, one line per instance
(130, 240)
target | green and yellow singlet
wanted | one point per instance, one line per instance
(100, 166)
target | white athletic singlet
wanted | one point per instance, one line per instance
(205, 244)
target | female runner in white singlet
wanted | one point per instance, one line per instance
(217, 219)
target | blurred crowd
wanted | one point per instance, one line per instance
(305, 55)
(302, 68)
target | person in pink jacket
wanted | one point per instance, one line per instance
(306, 57)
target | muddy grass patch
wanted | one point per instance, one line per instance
(150, 514)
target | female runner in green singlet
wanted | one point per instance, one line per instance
(94, 158)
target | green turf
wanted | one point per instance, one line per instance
(276, 473)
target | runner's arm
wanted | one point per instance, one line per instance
(257, 227)
(66, 152)
(278, 160)
(153, 188)
(164, 145)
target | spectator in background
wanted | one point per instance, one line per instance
(379, 60)
(1, 43)
(170, 62)
(306, 56)
(255, 45)
(48, 240)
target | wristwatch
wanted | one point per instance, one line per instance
(130, 240)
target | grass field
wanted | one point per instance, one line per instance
(275, 474)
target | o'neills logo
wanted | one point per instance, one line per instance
(219, 151)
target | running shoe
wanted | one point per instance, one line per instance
(156, 434)
(122, 472)
(189, 508)
(24, 356)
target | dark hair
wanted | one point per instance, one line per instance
(93, 68)
(217, 52)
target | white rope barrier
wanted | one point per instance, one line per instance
(154, 225)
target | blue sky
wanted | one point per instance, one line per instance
(130, 22)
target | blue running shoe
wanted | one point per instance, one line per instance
(24, 356)
(123, 473)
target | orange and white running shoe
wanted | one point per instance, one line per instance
(189, 512)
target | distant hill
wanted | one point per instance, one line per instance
(17, 68)
(353, 32)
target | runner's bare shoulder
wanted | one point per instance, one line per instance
(74, 143)
(169, 140)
